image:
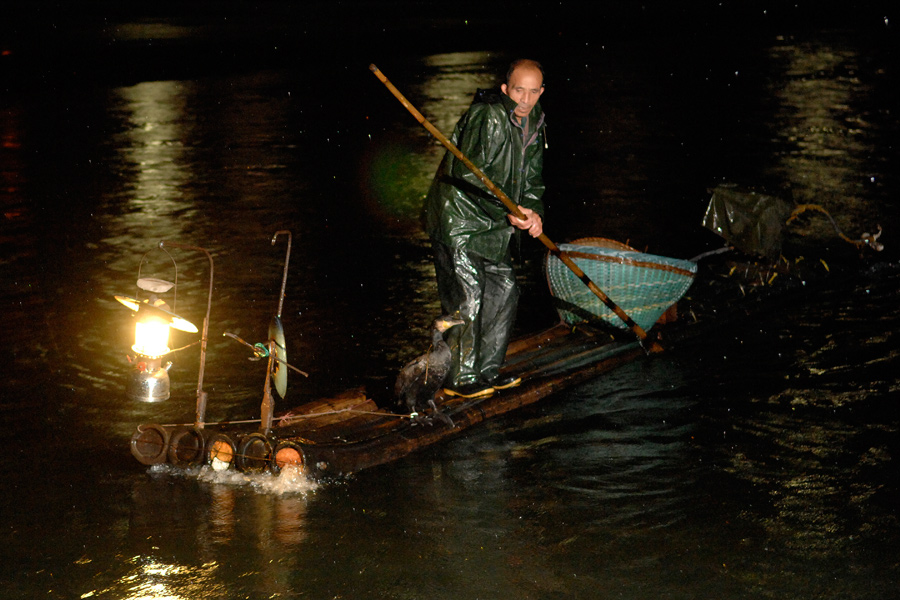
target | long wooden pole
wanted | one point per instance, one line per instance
(514, 209)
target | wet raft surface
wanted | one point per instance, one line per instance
(348, 433)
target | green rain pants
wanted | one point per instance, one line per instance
(484, 294)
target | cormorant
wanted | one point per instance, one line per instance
(422, 377)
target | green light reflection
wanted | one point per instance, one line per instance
(398, 174)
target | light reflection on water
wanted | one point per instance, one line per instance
(823, 129)
(450, 83)
(242, 528)
(151, 579)
(154, 143)
(814, 442)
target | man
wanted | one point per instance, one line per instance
(470, 229)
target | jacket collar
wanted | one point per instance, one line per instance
(535, 116)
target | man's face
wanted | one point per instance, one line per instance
(525, 86)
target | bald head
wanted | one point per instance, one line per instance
(524, 84)
(524, 63)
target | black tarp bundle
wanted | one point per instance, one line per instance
(750, 221)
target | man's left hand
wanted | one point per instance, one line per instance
(531, 223)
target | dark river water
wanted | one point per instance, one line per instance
(754, 461)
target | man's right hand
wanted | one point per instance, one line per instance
(531, 223)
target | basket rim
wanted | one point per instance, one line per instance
(630, 262)
(602, 242)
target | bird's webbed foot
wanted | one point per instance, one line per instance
(439, 415)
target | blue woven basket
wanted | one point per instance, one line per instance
(643, 285)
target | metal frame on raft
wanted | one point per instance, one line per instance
(191, 445)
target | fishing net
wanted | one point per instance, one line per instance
(752, 222)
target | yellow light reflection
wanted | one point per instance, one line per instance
(808, 496)
(450, 86)
(289, 524)
(151, 579)
(221, 514)
(821, 130)
(154, 143)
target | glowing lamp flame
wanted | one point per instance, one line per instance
(151, 337)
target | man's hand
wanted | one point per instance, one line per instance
(532, 222)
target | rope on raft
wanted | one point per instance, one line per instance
(352, 409)
(869, 240)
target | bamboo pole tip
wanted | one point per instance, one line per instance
(372, 67)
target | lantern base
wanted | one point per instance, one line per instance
(148, 381)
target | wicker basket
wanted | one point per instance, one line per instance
(643, 285)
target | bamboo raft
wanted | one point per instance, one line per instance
(334, 437)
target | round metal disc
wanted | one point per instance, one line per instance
(279, 371)
(173, 319)
(182, 324)
(129, 302)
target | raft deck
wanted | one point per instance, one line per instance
(348, 433)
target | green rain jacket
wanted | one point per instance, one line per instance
(459, 211)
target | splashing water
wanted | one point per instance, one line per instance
(290, 480)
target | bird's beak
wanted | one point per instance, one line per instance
(450, 323)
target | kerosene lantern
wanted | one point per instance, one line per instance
(148, 380)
